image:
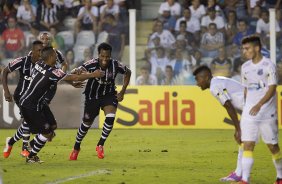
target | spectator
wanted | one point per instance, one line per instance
(230, 27)
(32, 35)
(87, 18)
(255, 16)
(197, 9)
(98, 3)
(109, 8)
(12, 39)
(279, 72)
(3, 24)
(146, 78)
(26, 15)
(9, 10)
(47, 15)
(211, 41)
(168, 79)
(213, 4)
(242, 32)
(251, 4)
(262, 28)
(166, 38)
(57, 41)
(152, 46)
(69, 59)
(158, 64)
(221, 66)
(169, 11)
(236, 75)
(71, 7)
(239, 6)
(187, 39)
(183, 65)
(272, 4)
(116, 36)
(192, 24)
(212, 18)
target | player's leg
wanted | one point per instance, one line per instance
(269, 134)
(109, 106)
(91, 111)
(51, 120)
(237, 174)
(10, 141)
(250, 134)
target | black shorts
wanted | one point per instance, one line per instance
(92, 107)
(49, 115)
(36, 120)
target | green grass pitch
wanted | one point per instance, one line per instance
(136, 156)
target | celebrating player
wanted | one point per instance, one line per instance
(230, 94)
(259, 116)
(100, 93)
(24, 65)
(44, 75)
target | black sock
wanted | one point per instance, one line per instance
(82, 131)
(107, 128)
(39, 143)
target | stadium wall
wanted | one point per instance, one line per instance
(146, 107)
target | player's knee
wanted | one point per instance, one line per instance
(249, 146)
(54, 127)
(89, 123)
(274, 148)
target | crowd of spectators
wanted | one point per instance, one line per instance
(189, 33)
(186, 33)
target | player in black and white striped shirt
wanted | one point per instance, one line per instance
(43, 76)
(24, 65)
(101, 93)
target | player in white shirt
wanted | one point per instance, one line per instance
(259, 116)
(172, 6)
(230, 94)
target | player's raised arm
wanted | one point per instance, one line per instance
(7, 94)
(126, 81)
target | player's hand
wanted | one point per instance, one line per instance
(98, 73)
(8, 96)
(78, 84)
(77, 71)
(237, 136)
(120, 96)
(255, 110)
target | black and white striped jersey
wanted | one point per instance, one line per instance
(97, 87)
(42, 77)
(24, 65)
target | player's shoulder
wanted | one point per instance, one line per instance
(267, 62)
(17, 60)
(247, 64)
(91, 62)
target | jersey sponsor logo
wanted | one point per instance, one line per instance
(27, 78)
(15, 61)
(58, 72)
(40, 69)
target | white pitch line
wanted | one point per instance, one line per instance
(92, 173)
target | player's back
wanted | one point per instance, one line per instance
(230, 87)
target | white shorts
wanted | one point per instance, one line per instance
(252, 129)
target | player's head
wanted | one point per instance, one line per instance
(203, 76)
(45, 38)
(251, 46)
(49, 56)
(37, 46)
(104, 54)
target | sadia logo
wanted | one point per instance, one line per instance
(166, 109)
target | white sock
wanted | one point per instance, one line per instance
(238, 169)
(247, 164)
(277, 160)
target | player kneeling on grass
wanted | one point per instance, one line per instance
(43, 76)
(230, 94)
(101, 93)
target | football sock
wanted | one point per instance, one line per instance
(26, 135)
(277, 160)
(39, 142)
(107, 128)
(82, 131)
(18, 135)
(247, 163)
(238, 169)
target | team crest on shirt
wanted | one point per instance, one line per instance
(58, 72)
(260, 72)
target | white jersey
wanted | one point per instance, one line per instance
(257, 78)
(224, 89)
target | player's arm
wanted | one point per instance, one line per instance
(233, 115)
(270, 93)
(126, 80)
(7, 94)
(64, 66)
(84, 76)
